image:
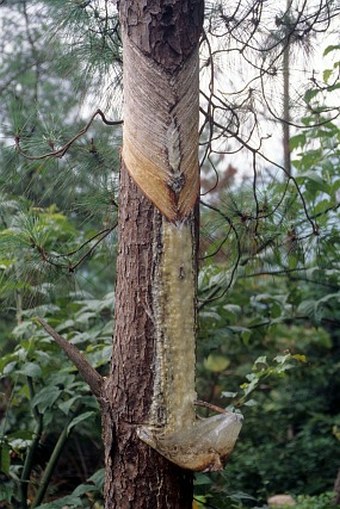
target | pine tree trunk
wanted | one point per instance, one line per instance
(137, 477)
(152, 379)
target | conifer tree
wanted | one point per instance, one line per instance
(151, 436)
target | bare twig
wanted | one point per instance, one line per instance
(50, 257)
(62, 150)
(211, 406)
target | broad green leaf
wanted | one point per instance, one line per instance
(297, 141)
(330, 48)
(233, 309)
(67, 324)
(251, 403)
(322, 206)
(80, 418)
(70, 501)
(212, 315)
(261, 360)
(282, 359)
(62, 377)
(9, 368)
(25, 327)
(21, 434)
(250, 387)
(245, 336)
(46, 398)
(98, 478)
(313, 179)
(84, 488)
(310, 94)
(216, 363)
(85, 316)
(238, 329)
(327, 74)
(227, 394)
(299, 357)
(336, 86)
(65, 406)
(30, 369)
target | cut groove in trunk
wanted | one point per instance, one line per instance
(160, 146)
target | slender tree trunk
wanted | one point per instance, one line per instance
(286, 106)
(336, 499)
(153, 362)
(286, 113)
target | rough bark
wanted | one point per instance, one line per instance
(165, 30)
(137, 477)
(147, 386)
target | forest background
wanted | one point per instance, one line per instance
(269, 264)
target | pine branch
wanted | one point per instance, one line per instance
(88, 373)
(62, 150)
(215, 295)
(48, 257)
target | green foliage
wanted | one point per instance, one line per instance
(323, 501)
(43, 384)
(57, 218)
(85, 495)
(268, 285)
(272, 347)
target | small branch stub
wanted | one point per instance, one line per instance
(88, 373)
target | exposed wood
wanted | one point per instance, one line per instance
(160, 143)
(161, 131)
